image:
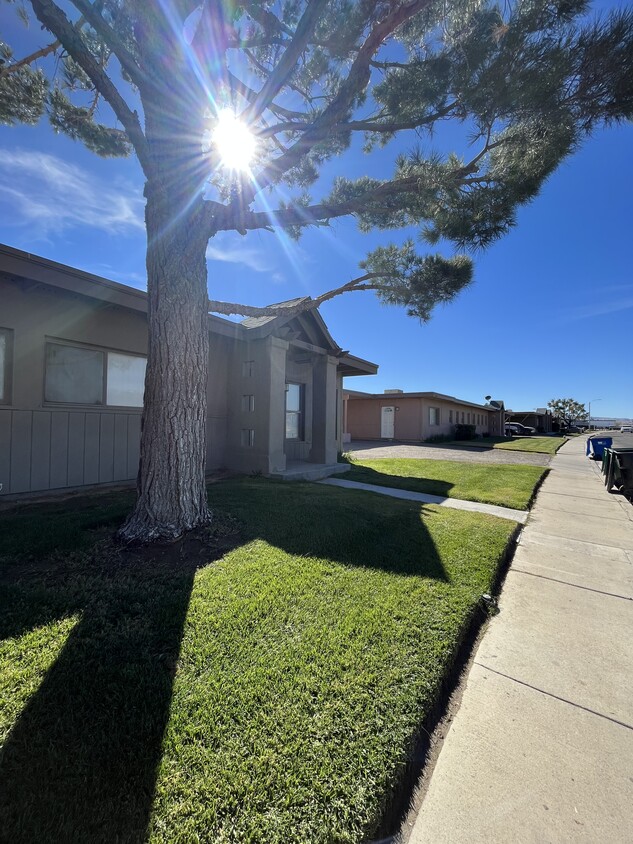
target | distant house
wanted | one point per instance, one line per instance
(540, 419)
(414, 417)
(72, 365)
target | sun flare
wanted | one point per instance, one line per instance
(234, 141)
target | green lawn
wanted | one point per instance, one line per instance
(509, 486)
(271, 694)
(542, 445)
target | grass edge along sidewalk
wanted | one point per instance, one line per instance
(538, 445)
(505, 485)
(271, 695)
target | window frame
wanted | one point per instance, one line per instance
(437, 421)
(300, 413)
(105, 351)
(7, 373)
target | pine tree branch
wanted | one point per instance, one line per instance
(250, 95)
(38, 54)
(266, 18)
(286, 65)
(103, 28)
(54, 19)
(229, 218)
(336, 112)
(236, 309)
(369, 125)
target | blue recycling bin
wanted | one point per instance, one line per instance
(597, 445)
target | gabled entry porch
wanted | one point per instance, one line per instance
(286, 403)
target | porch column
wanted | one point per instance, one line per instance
(324, 410)
(276, 379)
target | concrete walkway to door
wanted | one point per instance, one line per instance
(541, 748)
(425, 498)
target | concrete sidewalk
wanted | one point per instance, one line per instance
(541, 748)
(425, 498)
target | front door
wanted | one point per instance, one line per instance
(387, 416)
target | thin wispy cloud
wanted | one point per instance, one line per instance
(254, 259)
(603, 306)
(50, 195)
(132, 279)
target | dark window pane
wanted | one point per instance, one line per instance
(73, 375)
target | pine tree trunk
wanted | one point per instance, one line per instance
(171, 481)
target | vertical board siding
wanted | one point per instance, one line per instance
(106, 449)
(56, 448)
(76, 433)
(5, 451)
(133, 445)
(120, 448)
(41, 450)
(59, 449)
(21, 426)
(91, 449)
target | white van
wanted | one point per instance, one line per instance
(626, 429)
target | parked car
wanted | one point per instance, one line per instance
(521, 430)
(626, 429)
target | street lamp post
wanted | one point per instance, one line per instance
(593, 400)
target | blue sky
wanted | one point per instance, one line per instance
(550, 313)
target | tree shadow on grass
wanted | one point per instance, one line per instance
(80, 764)
(351, 527)
(427, 486)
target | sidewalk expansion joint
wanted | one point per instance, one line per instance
(557, 697)
(536, 528)
(574, 585)
(575, 495)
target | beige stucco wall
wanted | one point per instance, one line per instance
(44, 445)
(411, 417)
(47, 446)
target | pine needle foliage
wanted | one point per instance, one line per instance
(526, 81)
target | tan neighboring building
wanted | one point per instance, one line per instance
(414, 417)
(72, 363)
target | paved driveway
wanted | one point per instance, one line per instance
(372, 450)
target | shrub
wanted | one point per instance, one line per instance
(465, 432)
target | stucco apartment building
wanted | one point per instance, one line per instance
(72, 362)
(414, 417)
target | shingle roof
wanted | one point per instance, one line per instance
(257, 322)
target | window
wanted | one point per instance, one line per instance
(78, 375)
(450, 415)
(248, 437)
(434, 416)
(248, 404)
(294, 411)
(125, 380)
(462, 417)
(248, 368)
(6, 364)
(468, 416)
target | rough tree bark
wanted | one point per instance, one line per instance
(171, 486)
(171, 480)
